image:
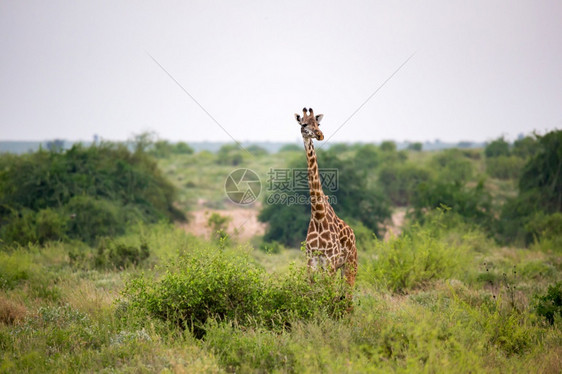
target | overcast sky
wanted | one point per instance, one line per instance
(480, 69)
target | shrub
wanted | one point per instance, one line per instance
(418, 256)
(218, 225)
(92, 218)
(540, 193)
(19, 227)
(473, 204)
(498, 147)
(451, 165)
(505, 167)
(549, 305)
(231, 154)
(273, 247)
(38, 189)
(50, 225)
(291, 148)
(226, 286)
(400, 182)
(416, 147)
(367, 158)
(526, 147)
(15, 268)
(118, 255)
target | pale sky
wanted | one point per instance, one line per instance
(481, 69)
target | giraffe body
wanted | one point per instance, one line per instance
(330, 242)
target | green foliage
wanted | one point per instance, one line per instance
(51, 225)
(231, 154)
(400, 182)
(498, 147)
(505, 167)
(545, 226)
(227, 286)
(452, 166)
(218, 225)
(543, 172)
(255, 350)
(256, 150)
(80, 193)
(418, 256)
(287, 224)
(91, 217)
(118, 255)
(526, 147)
(416, 147)
(549, 305)
(540, 193)
(367, 158)
(273, 247)
(388, 146)
(291, 148)
(473, 204)
(14, 268)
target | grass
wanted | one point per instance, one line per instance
(452, 321)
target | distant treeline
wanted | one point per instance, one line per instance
(19, 147)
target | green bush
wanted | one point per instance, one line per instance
(473, 204)
(273, 247)
(540, 194)
(420, 255)
(231, 154)
(19, 227)
(40, 193)
(400, 182)
(14, 268)
(498, 147)
(50, 225)
(549, 305)
(92, 218)
(526, 147)
(118, 255)
(367, 158)
(452, 166)
(505, 167)
(226, 286)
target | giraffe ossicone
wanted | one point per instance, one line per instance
(330, 242)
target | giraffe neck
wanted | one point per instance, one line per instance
(316, 193)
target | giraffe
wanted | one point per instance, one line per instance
(330, 242)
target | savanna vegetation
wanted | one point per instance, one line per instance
(97, 275)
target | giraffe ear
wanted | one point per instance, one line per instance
(298, 118)
(319, 118)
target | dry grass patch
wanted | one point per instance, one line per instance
(11, 311)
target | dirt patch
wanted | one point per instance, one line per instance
(395, 227)
(243, 224)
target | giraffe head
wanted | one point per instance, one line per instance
(310, 124)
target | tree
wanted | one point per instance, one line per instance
(540, 192)
(416, 147)
(498, 147)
